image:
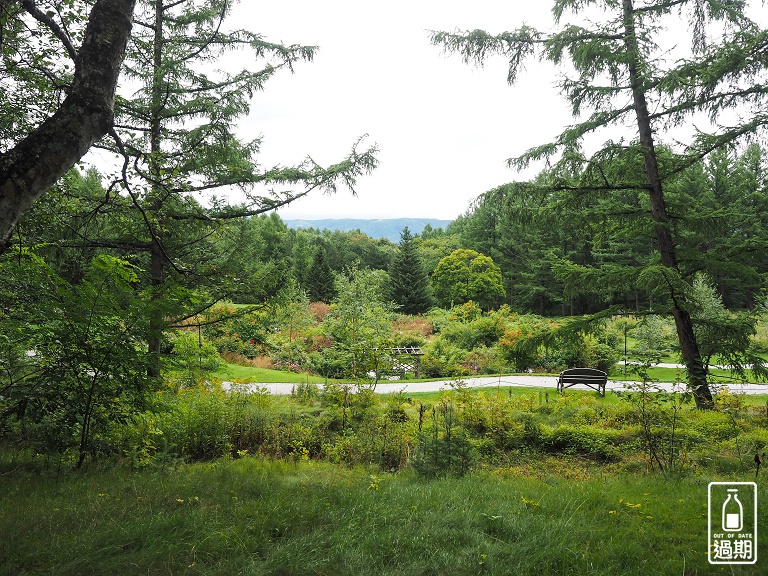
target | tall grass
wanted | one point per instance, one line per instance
(252, 516)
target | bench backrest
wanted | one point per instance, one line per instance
(583, 375)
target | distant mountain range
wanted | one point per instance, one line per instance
(389, 228)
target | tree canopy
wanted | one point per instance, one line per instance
(467, 275)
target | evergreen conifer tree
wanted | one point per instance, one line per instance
(321, 283)
(409, 284)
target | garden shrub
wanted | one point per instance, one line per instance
(585, 416)
(582, 440)
(411, 331)
(514, 344)
(712, 425)
(329, 362)
(443, 359)
(305, 393)
(482, 331)
(755, 441)
(231, 331)
(380, 442)
(248, 414)
(140, 440)
(290, 356)
(533, 432)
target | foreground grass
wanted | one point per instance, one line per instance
(252, 516)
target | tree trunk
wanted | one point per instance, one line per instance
(29, 169)
(157, 255)
(156, 317)
(697, 379)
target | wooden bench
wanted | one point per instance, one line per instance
(595, 379)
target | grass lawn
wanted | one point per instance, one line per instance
(254, 516)
(248, 374)
(662, 374)
(544, 395)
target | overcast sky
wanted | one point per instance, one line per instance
(444, 129)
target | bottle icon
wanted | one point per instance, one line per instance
(733, 512)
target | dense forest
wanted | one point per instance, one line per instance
(718, 209)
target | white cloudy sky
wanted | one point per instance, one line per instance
(444, 129)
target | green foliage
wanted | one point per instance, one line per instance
(409, 283)
(238, 330)
(305, 392)
(196, 426)
(723, 334)
(608, 61)
(514, 344)
(359, 322)
(653, 339)
(467, 275)
(321, 281)
(192, 357)
(532, 342)
(443, 359)
(72, 366)
(175, 142)
(588, 441)
(658, 413)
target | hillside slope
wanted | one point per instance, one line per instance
(389, 228)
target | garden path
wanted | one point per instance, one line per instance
(531, 381)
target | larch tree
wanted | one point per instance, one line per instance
(614, 74)
(175, 133)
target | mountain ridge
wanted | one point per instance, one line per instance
(389, 228)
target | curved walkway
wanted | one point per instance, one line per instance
(494, 381)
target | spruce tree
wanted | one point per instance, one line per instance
(409, 284)
(321, 283)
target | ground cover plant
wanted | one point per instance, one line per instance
(258, 516)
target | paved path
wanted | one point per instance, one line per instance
(493, 381)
